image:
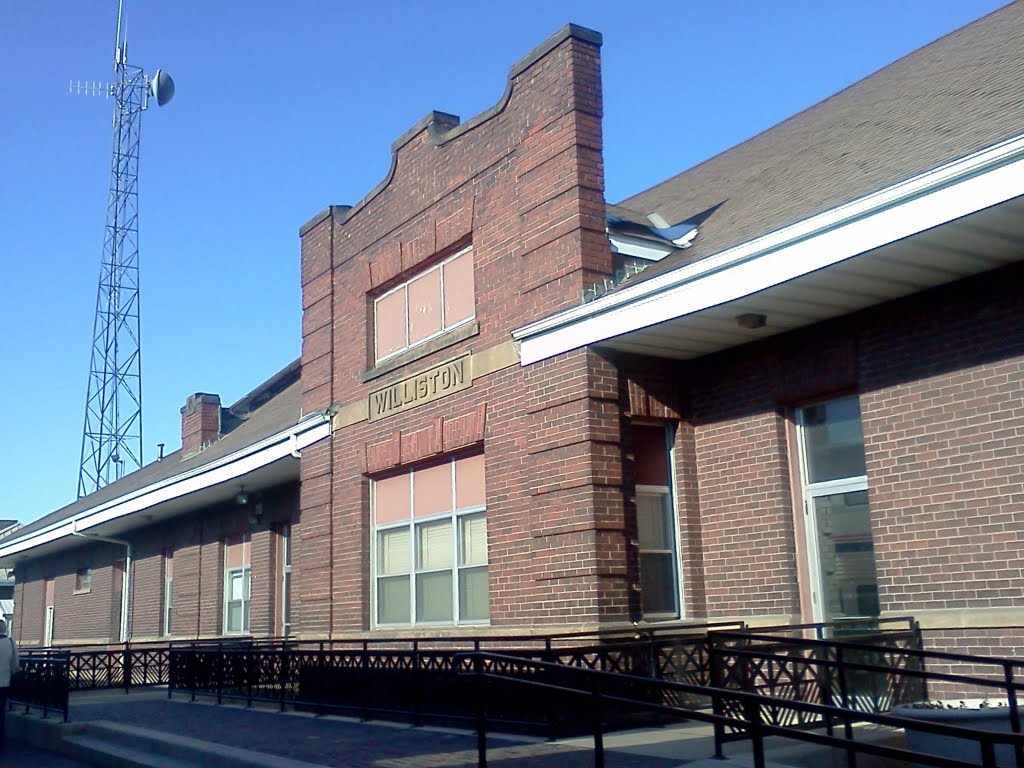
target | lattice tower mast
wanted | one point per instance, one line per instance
(112, 434)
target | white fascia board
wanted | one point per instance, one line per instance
(639, 247)
(952, 191)
(225, 469)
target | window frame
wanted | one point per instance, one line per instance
(404, 287)
(669, 430)
(671, 518)
(166, 622)
(286, 579)
(83, 580)
(412, 525)
(810, 491)
(246, 601)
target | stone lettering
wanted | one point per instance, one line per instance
(422, 388)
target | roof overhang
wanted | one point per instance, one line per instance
(263, 464)
(961, 219)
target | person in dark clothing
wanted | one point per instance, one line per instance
(8, 667)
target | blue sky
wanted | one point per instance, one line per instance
(284, 108)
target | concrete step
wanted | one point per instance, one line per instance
(105, 754)
(116, 745)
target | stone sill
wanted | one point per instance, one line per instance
(454, 336)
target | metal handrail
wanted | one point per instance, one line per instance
(751, 721)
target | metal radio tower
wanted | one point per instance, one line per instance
(112, 436)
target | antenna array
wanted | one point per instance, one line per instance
(112, 434)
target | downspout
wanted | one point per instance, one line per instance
(127, 581)
(330, 450)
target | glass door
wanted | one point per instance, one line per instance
(836, 514)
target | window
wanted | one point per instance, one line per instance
(168, 591)
(426, 306)
(83, 580)
(237, 583)
(656, 523)
(430, 545)
(286, 580)
(836, 513)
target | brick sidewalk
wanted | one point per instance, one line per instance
(336, 741)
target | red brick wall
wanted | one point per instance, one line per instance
(742, 476)
(524, 185)
(943, 402)
(197, 542)
(941, 383)
(1005, 642)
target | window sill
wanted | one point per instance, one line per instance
(445, 340)
(82, 591)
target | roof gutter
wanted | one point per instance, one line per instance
(288, 442)
(918, 204)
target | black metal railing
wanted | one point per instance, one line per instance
(594, 694)
(42, 683)
(855, 676)
(869, 672)
(417, 681)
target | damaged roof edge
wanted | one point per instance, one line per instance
(964, 169)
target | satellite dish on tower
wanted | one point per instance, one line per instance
(161, 87)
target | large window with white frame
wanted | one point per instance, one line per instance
(429, 555)
(286, 580)
(656, 522)
(436, 300)
(168, 601)
(837, 519)
(237, 584)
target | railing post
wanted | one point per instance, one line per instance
(364, 667)
(844, 697)
(550, 701)
(753, 710)
(1011, 700)
(126, 662)
(251, 670)
(598, 730)
(220, 659)
(417, 684)
(481, 711)
(988, 751)
(65, 689)
(321, 685)
(717, 706)
(283, 676)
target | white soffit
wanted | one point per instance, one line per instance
(194, 481)
(813, 263)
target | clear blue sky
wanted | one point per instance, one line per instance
(285, 107)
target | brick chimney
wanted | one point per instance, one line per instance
(200, 423)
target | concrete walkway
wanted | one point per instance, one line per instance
(237, 736)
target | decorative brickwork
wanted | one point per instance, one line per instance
(523, 184)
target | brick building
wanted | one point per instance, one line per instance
(784, 385)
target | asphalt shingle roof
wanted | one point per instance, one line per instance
(272, 407)
(955, 96)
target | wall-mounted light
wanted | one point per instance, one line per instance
(751, 320)
(256, 514)
(242, 498)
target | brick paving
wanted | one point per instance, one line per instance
(342, 741)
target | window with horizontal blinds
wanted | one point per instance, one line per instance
(430, 551)
(656, 522)
(237, 584)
